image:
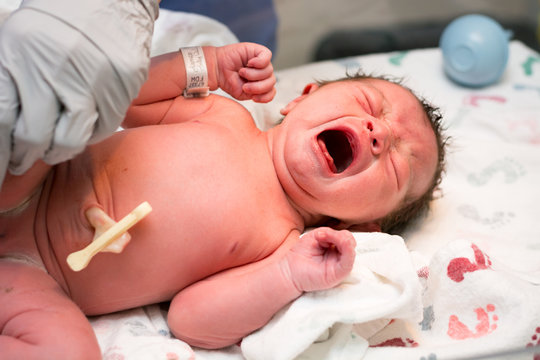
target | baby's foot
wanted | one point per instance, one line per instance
(496, 219)
(475, 99)
(102, 222)
(510, 169)
(461, 265)
(487, 322)
(527, 65)
(535, 341)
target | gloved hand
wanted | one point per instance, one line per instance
(68, 72)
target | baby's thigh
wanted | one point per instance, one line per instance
(38, 319)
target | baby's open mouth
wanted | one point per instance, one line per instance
(337, 149)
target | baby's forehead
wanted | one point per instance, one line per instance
(394, 93)
(389, 89)
(396, 99)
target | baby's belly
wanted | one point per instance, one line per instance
(154, 267)
(144, 273)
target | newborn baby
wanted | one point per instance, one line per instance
(230, 202)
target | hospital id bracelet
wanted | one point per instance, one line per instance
(196, 72)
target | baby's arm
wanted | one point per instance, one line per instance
(221, 310)
(243, 70)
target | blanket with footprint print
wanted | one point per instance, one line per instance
(481, 241)
(467, 310)
(479, 282)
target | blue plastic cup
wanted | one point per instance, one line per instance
(475, 50)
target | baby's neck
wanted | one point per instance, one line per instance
(303, 216)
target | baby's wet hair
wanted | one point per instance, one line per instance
(410, 209)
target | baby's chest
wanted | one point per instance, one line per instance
(238, 229)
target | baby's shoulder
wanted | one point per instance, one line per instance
(230, 113)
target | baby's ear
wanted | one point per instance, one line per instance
(308, 89)
(366, 227)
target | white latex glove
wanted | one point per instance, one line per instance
(68, 71)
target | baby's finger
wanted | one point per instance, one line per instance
(346, 245)
(346, 240)
(323, 236)
(259, 87)
(261, 60)
(254, 74)
(264, 98)
(343, 240)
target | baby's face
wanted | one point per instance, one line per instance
(355, 150)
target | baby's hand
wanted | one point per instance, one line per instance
(245, 72)
(321, 259)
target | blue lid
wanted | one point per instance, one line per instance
(475, 50)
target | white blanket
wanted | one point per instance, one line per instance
(336, 323)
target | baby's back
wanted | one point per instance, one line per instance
(216, 204)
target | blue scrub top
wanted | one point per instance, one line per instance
(250, 20)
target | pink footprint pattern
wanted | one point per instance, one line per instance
(530, 127)
(535, 341)
(459, 331)
(397, 342)
(475, 99)
(423, 272)
(459, 266)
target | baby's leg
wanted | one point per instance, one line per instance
(38, 320)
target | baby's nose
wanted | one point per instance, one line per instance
(379, 136)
